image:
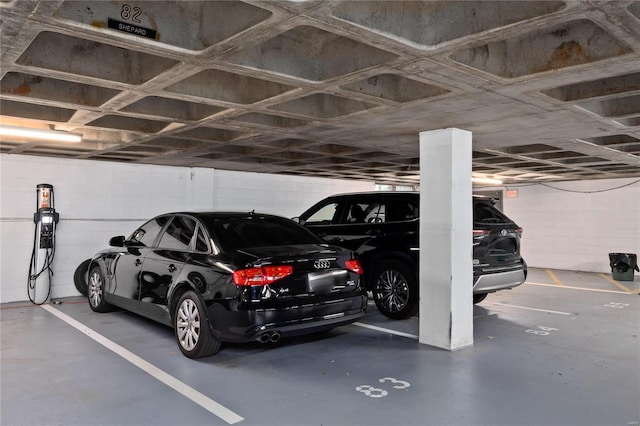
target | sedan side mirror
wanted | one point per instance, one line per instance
(117, 241)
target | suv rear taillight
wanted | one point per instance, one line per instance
(479, 235)
(354, 266)
(262, 275)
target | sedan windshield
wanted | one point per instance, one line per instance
(255, 231)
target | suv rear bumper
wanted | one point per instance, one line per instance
(488, 283)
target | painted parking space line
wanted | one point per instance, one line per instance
(567, 287)
(554, 278)
(616, 283)
(508, 305)
(386, 330)
(199, 398)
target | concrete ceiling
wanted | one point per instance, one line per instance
(339, 89)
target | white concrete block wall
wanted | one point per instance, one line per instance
(285, 195)
(97, 200)
(575, 227)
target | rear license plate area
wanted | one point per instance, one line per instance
(324, 282)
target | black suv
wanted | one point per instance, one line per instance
(382, 228)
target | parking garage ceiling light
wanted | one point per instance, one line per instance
(474, 179)
(486, 181)
(49, 135)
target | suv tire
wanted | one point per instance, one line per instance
(395, 289)
(477, 298)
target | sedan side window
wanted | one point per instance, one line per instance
(178, 234)
(201, 242)
(147, 233)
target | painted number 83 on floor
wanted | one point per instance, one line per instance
(374, 392)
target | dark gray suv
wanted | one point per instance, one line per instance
(382, 228)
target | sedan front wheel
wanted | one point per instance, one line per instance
(95, 291)
(192, 327)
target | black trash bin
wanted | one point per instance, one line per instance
(623, 265)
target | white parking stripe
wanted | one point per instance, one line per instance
(182, 388)
(386, 330)
(566, 287)
(529, 309)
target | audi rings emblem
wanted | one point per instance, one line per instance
(322, 264)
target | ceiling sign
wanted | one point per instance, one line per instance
(131, 29)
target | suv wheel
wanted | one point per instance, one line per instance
(477, 298)
(395, 290)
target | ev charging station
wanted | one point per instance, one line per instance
(44, 243)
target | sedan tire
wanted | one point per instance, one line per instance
(95, 291)
(80, 277)
(191, 326)
(395, 290)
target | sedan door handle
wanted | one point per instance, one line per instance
(172, 268)
(138, 262)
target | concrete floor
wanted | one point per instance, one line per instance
(562, 349)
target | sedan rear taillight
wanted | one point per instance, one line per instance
(354, 266)
(262, 275)
(518, 231)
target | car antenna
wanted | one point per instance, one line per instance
(252, 212)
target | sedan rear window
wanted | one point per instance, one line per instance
(250, 232)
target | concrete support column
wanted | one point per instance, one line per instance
(446, 268)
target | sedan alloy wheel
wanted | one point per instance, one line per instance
(191, 326)
(95, 291)
(188, 324)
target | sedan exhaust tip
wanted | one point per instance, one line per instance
(272, 337)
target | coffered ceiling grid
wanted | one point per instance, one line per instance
(550, 89)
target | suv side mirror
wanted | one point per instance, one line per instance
(117, 241)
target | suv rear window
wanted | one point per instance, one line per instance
(484, 212)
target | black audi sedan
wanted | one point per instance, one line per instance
(228, 277)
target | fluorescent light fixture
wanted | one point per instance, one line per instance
(49, 135)
(474, 179)
(486, 181)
